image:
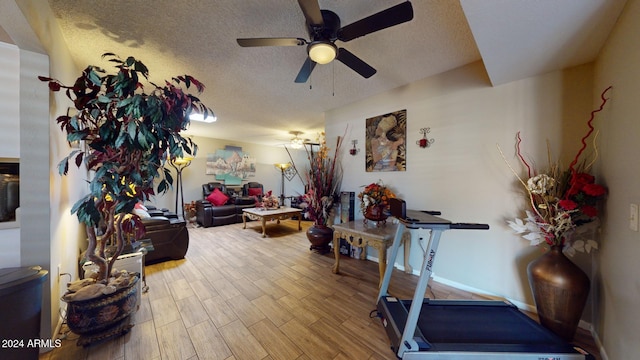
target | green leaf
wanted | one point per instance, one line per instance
(132, 129)
(103, 99)
(121, 139)
(94, 78)
(63, 166)
(124, 102)
(162, 187)
(142, 140)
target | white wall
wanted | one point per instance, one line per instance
(618, 287)
(32, 141)
(9, 100)
(462, 174)
(9, 142)
(29, 245)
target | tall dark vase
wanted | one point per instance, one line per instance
(560, 289)
(320, 236)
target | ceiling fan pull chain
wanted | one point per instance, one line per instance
(333, 69)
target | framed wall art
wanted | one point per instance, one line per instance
(231, 165)
(386, 142)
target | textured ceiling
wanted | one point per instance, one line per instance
(252, 89)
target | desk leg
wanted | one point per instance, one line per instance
(336, 252)
(406, 237)
(244, 220)
(382, 259)
(264, 226)
(299, 224)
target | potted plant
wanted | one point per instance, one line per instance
(560, 203)
(375, 202)
(130, 130)
(322, 181)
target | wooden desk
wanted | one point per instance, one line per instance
(357, 234)
(263, 215)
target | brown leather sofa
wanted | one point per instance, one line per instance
(168, 234)
(208, 214)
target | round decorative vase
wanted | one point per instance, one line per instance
(375, 213)
(104, 317)
(320, 236)
(560, 289)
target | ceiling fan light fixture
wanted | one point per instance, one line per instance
(322, 52)
(296, 142)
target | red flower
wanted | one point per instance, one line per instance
(589, 210)
(582, 179)
(578, 181)
(567, 204)
(594, 190)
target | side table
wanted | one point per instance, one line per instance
(357, 234)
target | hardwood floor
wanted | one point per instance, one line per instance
(240, 296)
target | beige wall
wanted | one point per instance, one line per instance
(462, 174)
(618, 284)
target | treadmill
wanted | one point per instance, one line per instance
(423, 328)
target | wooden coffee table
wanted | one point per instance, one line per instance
(264, 215)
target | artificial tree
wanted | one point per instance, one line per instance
(129, 135)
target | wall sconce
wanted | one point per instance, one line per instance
(424, 142)
(354, 151)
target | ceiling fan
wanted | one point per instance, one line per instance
(324, 29)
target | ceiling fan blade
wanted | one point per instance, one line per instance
(386, 18)
(355, 63)
(271, 42)
(311, 11)
(305, 71)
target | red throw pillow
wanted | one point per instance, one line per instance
(255, 191)
(217, 197)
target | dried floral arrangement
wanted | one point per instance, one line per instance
(561, 200)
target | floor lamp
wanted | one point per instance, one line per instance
(282, 167)
(180, 164)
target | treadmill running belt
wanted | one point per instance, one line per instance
(483, 326)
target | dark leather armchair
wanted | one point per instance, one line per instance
(209, 187)
(208, 214)
(168, 234)
(252, 185)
